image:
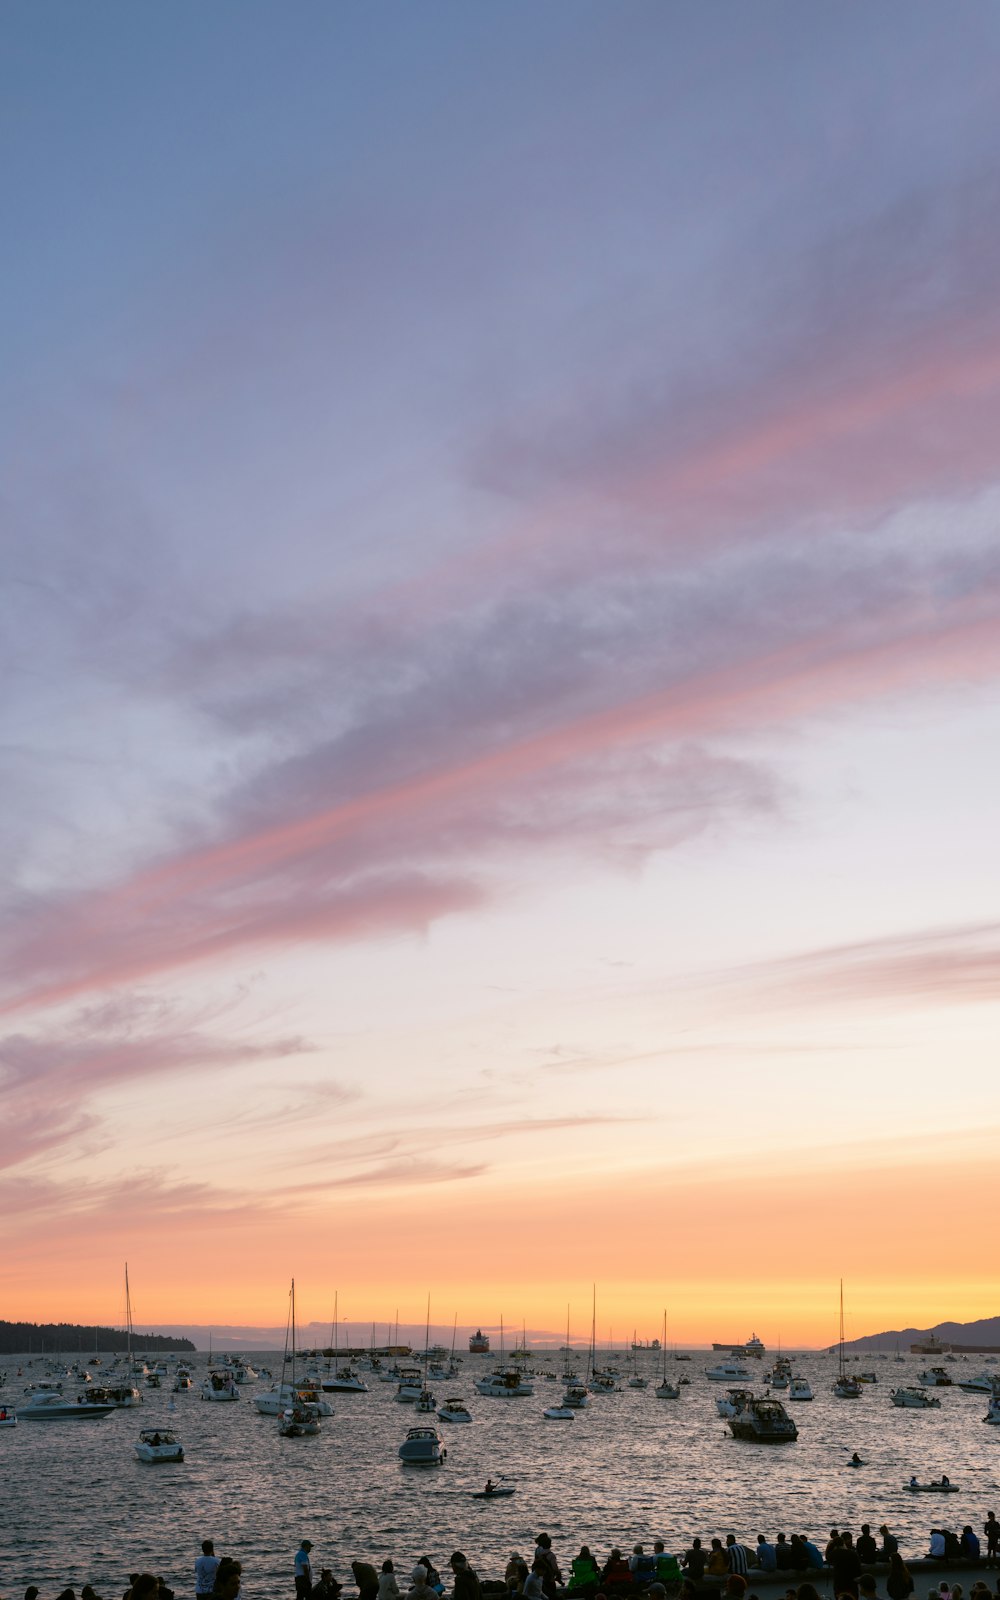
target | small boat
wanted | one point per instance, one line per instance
(454, 1410)
(799, 1389)
(936, 1486)
(298, 1422)
(559, 1413)
(915, 1399)
(425, 1402)
(934, 1378)
(346, 1380)
(665, 1390)
(982, 1384)
(219, 1386)
(422, 1448)
(993, 1412)
(501, 1491)
(765, 1421)
(576, 1396)
(846, 1387)
(410, 1385)
(8, 1417)
(156, 1444)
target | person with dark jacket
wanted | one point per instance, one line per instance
(899, 1584)
(784, 1558)
(366, 1579)
(466, 1585)
(866, 1547)
(846, 1567)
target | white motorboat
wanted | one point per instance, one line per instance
(422, 1448)
(181, 1383)
(981, 1384)
(156, 1444)
(410, 1385)
(799, 1389)
(454, 1410)
(764, 1421)
(915, 1399)
(576, 1396)
(934, 1378)
(727, 1372)
(559, 1413)
(219, 1386)
(733, 1402)
(425, 1402)
(346, 1380)
(276, 1401)
(48, 1406)
(505, 1383)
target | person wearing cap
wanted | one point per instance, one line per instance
(303, 1571)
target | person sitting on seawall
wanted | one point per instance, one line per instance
(812, 1553)
(642, 1567)
(767, 1561)
(937, 1549)
(584, 1574)
(695, 1561)
(890, 1544)
(668, 1568)
(388, 1587)
(516, 1574)
(952, 1545)
(328, 1588)
(867, 1587)
(783, 1555)
(866, 1547)
(970, 1544)
(718, 1561)
(433, 1576)
(616, 1574)
(799, 1560)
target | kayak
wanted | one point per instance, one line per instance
(857, 1463)
(492, 1494)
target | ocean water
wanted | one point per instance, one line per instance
(77, 1505)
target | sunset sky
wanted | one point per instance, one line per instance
(500, 514)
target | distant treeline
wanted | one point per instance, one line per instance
(43, 1338)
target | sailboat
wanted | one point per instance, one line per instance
(425, 1400)
(665, 1390)
(846, 1387)
(298, 1419)
(636, 1381)
(345, 1379)
(600, 1380)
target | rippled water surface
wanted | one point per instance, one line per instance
(78, 1506)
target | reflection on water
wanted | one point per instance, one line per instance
(78, 1506)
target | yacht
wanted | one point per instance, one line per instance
(799, 1389)
(505, 1383)
(276, 1401)
(982, 1384)
(727, 1372)
(915, 1399)
(156, 1444)
(576, 1396)
(422, 1448)
(934, 1378)
(765, 1421)
(46, 1405)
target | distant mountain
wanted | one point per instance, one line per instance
(35, 1338)
(986, 1332)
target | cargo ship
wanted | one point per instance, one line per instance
(479, 1343)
